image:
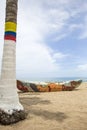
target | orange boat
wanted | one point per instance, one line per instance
(47, 87)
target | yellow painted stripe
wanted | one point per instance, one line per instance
(10, 26)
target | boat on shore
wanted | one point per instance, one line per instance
(47, 86)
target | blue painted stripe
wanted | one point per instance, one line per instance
(10, 33)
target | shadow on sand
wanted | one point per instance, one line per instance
(33, 101)
(45, 114)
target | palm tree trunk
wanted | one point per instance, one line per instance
(9, 101)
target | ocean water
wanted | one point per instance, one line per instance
(57, 79)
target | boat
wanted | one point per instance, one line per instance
(47, 86)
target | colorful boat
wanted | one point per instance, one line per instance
(47, 87)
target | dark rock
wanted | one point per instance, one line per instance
(7, 119)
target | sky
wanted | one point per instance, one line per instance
(51, 38)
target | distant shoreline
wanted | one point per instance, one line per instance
(54, 79)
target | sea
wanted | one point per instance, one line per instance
(56, 79)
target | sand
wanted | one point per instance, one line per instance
(65, 110)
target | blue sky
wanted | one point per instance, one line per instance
(51, 38)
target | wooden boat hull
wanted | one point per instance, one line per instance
(49, 87)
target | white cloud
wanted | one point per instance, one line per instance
(37, 59)
(84, 29)
(38, 19)
(82, 67)
(74, 27)
(59, 56)
(60, 37)
(34, 56)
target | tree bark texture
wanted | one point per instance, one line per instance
(9, 101)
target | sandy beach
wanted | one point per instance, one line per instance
(64, 110)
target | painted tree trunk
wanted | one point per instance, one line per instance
(9, 101)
